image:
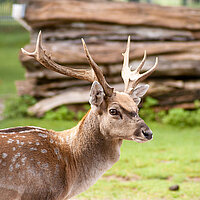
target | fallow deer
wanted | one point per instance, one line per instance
(40, 164)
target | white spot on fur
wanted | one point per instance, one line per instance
(18, 154)
(43, 150)
(11, 168)
(23, 160)
(10, 141)
(17, 165)
(4, 155)
(67, 137)
(33, 149)
(42, 135)
(14, 148)
(30, 142)
(45, 165)
(14, 159)
(56, 150)
(22, 143)
(51, 141)
(37, 143)
(17, 141)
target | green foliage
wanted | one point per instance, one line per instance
(81, 113)
(176, 116)
(18, 107)
(146, 112)
(181, 117)
(64, 113)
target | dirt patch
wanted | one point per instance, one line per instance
(122, 178)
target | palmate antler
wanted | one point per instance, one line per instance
(132, 78)
(95, 73)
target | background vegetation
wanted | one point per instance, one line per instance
(145, 171)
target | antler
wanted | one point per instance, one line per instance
(98, 72)
(132, 78)
(90, 75)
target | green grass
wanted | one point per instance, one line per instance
(145, 171)
(10, 67)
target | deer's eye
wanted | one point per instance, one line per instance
(113, 112)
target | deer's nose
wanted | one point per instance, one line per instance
(147, 134)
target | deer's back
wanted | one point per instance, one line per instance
(31, 164)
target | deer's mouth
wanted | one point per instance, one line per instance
(140, 140)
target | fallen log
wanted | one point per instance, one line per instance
(43, 14)
(110, 52)
(168, 93)
(106, 32)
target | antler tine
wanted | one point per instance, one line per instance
(125, 69)
(99, 74)
(149, 72)
(40, 55)
(37, 48)
(142, 62)
(133, 77)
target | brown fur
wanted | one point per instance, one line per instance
(36, 163)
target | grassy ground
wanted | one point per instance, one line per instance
(145, 171)
(10, 67)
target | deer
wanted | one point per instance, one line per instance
(36, 163)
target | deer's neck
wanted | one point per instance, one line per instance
(92, 153)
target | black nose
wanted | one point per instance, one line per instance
(148, 135)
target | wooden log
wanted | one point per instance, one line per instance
(168, 93)
(110, 52)
(26, 87)
(188, 106)
(70, 96)
(74, 96)
(106, 32)
(177, 97)
(43, 14)
(182, 58)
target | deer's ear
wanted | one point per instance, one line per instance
(96, 94)
(139, 92)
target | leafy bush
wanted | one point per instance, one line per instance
(18, 107)
(181, 117)
(176, 116)
(147, 112)
(63, 113)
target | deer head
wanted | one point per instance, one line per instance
(116, 112)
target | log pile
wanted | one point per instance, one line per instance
(171, 33)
